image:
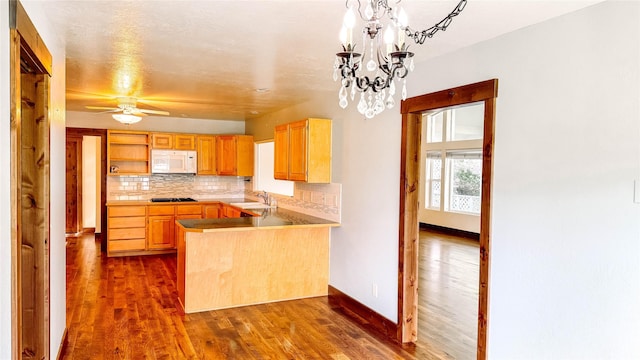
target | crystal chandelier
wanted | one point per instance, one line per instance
(388, 56)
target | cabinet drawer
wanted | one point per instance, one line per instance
(127, 233)
(126, 245)
(189, 210)
(161, 210)
(120, 211)
(127, 222)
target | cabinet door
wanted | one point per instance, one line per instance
(244, 155)
(281, 152)
(226, 155)
(162, 141)
(184, 142)
(211, 211)
(161, 232)
(230, 212)
(206, 155)
(298, 151)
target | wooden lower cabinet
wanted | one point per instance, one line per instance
(161, 225)
(161, 232)
(126, 229)
(211, 211)
(150, 229)
(230, 212)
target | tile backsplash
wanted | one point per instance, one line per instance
(320, 200)
(144, 187)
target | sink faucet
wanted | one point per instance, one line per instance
(265, 197)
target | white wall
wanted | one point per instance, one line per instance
(566, 259)
(5, 181)
(565, 252)
(565, 266)
(81, 119)
(89, 180)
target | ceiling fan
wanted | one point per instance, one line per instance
(126, 112)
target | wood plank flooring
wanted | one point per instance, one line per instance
(127, 308)
(448, 294)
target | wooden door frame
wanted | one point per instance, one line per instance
(78, 140)
(26, 44)
(102, 133)
(412, 110)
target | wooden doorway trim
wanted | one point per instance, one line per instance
(73, 185)
(102, 133)
(412, 109)
(30, 71)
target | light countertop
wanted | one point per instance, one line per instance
(268, 218)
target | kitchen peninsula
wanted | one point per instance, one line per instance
(278, 255)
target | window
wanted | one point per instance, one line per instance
(465, 179)
(434, 179)
(453, 160)
(263, 175)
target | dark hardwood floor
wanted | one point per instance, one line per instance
(127, 308)
(448, 294)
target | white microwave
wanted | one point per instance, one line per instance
(174, 162)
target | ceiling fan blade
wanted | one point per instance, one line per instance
(154, 112)
(136, 112)
(102, 108)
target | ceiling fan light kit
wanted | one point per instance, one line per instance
(388, 55)
(127, 119)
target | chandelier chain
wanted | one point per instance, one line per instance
(420, 36)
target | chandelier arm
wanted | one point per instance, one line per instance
(420, 36)
(396, 71)
(382, 61)
(363, 83)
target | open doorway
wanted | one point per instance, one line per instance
(83, 186)
(86, 182)
(449, 218)
(412, 110)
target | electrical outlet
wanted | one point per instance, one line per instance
(636, 191)
(374, 290)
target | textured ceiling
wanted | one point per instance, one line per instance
(205, 59)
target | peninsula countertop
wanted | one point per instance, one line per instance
(267, 218)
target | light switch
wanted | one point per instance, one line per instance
(636, 191)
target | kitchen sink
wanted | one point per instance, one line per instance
(251, 205)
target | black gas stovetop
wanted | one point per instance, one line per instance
(173, 200)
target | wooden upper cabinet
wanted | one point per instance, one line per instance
(127, 152)
(234, 155)
(308, 155)
(206, 147)
(172, 141)
(184, 142)
(162, 141)
(281, 152)
(298, 151)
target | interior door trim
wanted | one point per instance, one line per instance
(412, 109)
